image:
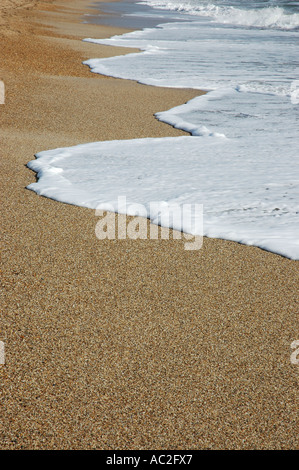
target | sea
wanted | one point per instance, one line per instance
(240, 160)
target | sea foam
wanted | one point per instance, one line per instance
(267, 17)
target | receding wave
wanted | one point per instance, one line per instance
(269, 17)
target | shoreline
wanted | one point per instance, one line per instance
(125, 344)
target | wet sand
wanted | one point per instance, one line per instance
(123, 344)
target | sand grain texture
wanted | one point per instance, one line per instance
(123, 344)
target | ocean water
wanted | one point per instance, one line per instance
(241, 160)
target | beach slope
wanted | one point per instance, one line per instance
(128, 344)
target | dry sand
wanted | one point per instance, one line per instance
(123, 344)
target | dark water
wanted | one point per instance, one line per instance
(128, 14)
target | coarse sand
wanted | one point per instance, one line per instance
(125, 344)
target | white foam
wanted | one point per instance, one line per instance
(268, 17)
(198, 55)
(244, 199)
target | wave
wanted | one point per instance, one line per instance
(268, 17)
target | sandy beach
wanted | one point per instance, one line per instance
(125, 344)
